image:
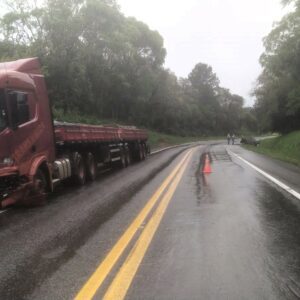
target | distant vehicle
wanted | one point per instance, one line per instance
(37, 153)
(249, 141)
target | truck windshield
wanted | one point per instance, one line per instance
(3, 112)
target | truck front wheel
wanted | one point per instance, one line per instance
(40, 182)
(79, 172)
(38, 191)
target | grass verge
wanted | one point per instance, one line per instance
(160, 140)
(285, 147)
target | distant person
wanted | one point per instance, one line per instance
(232, 138)
(228, 138)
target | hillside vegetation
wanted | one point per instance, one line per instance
(277, 92)
(100, 63)
(285, 147)
(157, 140)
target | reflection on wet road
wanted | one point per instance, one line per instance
(230, 234)
(227, 235)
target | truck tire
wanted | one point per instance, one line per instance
(122, 161)
(40, 182)
(90, 166)
(79, 172)
(143, 151)
(37, 194)
(127, 156)
(140, 152)
(148, 149)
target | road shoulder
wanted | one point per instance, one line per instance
(286, 172)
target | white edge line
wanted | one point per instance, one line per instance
(271, 178)
(3, 211)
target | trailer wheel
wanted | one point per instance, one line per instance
(140, 152)
(127, 156)
(148, 149)
(143, 151)
(122, 161)
(91, 167)
(79, 174)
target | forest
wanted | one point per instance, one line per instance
(278, 87)
(101, 66)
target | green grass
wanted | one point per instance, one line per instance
(285, 147)
(161, 140)
(76, 117)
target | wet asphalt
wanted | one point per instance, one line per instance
(230, 234)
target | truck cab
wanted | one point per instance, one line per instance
(26, 129)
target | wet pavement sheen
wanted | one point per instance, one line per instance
(230, 234)
(226, 235)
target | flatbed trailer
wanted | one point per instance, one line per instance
(72, 133)
(37, 153)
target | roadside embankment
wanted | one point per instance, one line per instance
(285, 147)
(161, 140)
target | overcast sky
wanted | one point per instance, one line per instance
(226, 34)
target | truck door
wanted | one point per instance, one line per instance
(26, 137)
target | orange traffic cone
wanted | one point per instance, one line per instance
(207, 167)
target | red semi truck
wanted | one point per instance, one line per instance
(36, 152)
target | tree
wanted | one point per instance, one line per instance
(231, 116)
(203, 91)
(104, 65)
(278, 87)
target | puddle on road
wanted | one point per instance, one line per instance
(279, 218)
(203, 188)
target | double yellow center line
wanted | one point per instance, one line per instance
(124, 277)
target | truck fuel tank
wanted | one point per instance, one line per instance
(62, 168)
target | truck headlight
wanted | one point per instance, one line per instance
(7, 161)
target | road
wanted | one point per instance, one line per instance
(162, 229)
